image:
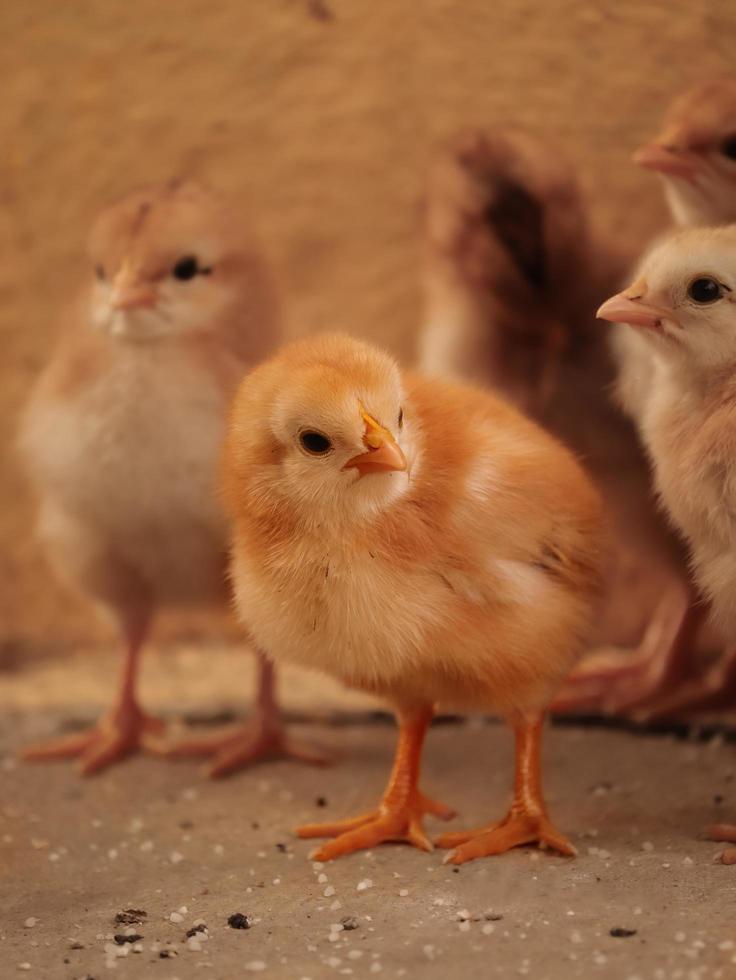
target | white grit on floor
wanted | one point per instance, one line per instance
(156, 837)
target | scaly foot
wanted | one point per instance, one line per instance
(115, 737)
(516, 829)
(392, 821)
(245, 746)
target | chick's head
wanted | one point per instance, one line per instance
(695, 154)
(684, 298)
(325, 420)
(166, 260)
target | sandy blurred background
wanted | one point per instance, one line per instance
(318, 117)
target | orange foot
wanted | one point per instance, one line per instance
(724, 832)
(235, 750)
(113, 738)
(392, 821)
(516, 829)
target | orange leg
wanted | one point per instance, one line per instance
(262, 738)
(526, 822)
(124, 730)
(635, 683)
(399, 814)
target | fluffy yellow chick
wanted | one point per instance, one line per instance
(682, 304)
(419, 540)
(513, 277)
(123, 432)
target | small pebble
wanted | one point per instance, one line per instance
(256, 966)
(329, 891)
(239, 921)
(30, 922)
(175, 857)
(24, 966)
(176, 917)
(364, 884)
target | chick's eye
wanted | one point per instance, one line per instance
(315, 443)
(704, 289)
(401, 418)
(188, 267)
(728, 147)
(100, 272)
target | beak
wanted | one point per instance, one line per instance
(129, 293)
(667, 159)
(627, 307)
(383, 452)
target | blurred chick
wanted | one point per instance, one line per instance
(123, 432)
(419, 540)
(684, 307)
(513, 277)
(695, 154)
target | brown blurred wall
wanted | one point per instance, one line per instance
(318, 117)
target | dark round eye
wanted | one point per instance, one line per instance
(100, 272)
(704, 289)
(728, 147)
(401, 417)
(186, 268)
(314, 442)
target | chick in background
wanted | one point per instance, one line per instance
(695, 156)
(122, 435)
(419, 540)
(513, 276)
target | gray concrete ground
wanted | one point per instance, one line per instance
(155, 836)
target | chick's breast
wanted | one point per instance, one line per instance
(473, 589)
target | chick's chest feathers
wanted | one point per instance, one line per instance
(122, 442)
(690, 431)
(474, 587)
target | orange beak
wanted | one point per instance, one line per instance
(129, 293)
(667, 159)
(383, 452)
(627, 307)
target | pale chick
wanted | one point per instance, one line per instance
(419, 540)
(695, 156)
(513, 276)
(123, 432)
(683, 304)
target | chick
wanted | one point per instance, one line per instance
(683, 305)
(695, 154)
(123, 431)
(419, 540)
(513, 276)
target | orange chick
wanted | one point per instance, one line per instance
(513, 277)
(123, 431)
(417, 539)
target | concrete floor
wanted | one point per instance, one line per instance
(155, 836)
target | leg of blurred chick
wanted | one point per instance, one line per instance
(725, 832)
(715, 690)
(402, 807)
(526, 822)
(124, 730)
(264, 737)
(628, 683)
